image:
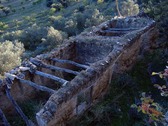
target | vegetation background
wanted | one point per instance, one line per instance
(31, 27)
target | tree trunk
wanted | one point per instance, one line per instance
(118, 8)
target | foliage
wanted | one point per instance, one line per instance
(3, 26)
(129, 8)
(54, 37)
(100, 1)
(52, 11)
(4, 10)
(158, 9)
(57, 7)
(10, 55)
(78, 21)
(12, 35)
(34, 38)
(70, 27)
(31, 37)
(37, 2)
(149, 107)
(163, 74)
(164, 88)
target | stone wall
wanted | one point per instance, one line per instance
(90, 85)
(110, 47)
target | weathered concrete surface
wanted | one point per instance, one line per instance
(107, 48)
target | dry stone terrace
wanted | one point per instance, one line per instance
(74, 76)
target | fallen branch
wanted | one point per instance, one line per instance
(5, 121)
(70, 62)
(18, 109)
(41, 64)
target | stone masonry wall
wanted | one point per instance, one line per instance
(90, 85)
(110, 47)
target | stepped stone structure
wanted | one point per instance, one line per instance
(74, 76)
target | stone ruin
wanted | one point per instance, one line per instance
(74, 76)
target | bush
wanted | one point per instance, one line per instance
(94, 19)
(129, 8)
(158, 11)
(10, 55)
(11, 36)
(57, 7)
(31, 37)
(52, 11)
(6, 10)
(54, 37)
(3, 26)
(49, 3)
(70, 27)
(80, 18)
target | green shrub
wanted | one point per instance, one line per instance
(3, 26)
(100, 1)
(158, 10)
(80, 19)
(52, 11)
(58, 6)
(11, 36)
(10, 55)
(13, 10)
(6, 10)
(129, 8)
(94, 19)
(54, 37)
(31, 37)
(70, 27)
(55, 18)
(36, 2)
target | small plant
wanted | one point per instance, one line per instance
(153, 111)
(164, 88)
(163, 74)
(150, 108)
